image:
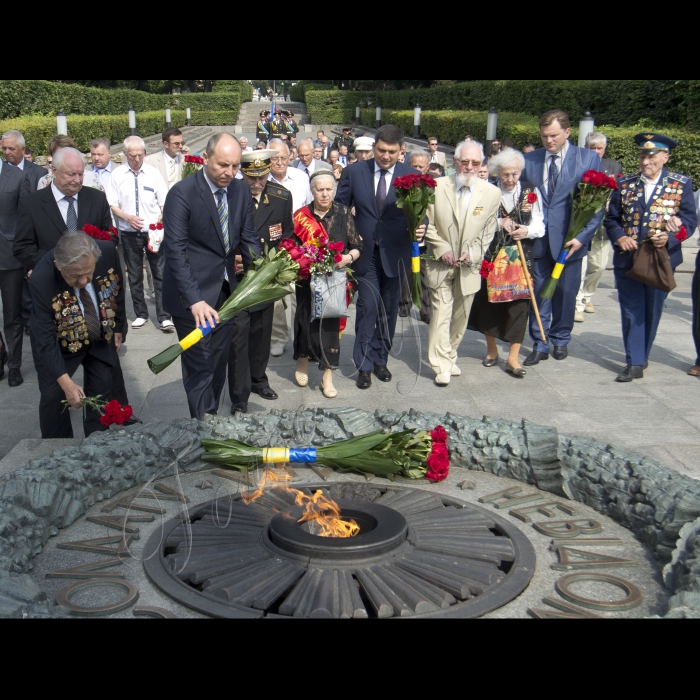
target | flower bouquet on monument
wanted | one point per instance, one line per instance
(414, 194)
(594, 192)
(411, 454)
(267, 281)
(112, 413)
(193, 164)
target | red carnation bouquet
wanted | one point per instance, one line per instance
(414, 194)
(594, 192)
(681, 236)
(193, 164)
(439, 460)
(113, 413)
(99, 235)
(156, 235)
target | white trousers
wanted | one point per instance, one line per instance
(280, 323)
(594, 266)
(449, 323)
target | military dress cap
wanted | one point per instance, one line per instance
(364, 143)
(258, 163)
(652, 144)
(347, 128)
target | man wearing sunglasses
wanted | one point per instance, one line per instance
(170, 160)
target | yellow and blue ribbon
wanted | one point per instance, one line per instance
(196, 335)
(416, 258)
(559, 267)
(289, 455)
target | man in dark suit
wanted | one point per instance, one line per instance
(77, 309)
(65, 205)
(11, 273)
(207, 218)
(387, 252)
(557, 169)
(14, 149)
(596, 262)
(252, 329)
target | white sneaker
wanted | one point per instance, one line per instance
(167, 327)
(456, 371)
(277, 351)
(443, 379)
(139, 323)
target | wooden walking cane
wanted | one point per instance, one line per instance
(523, 262)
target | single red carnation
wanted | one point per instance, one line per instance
(304, 268)
(532, 198)
(287, 244)
(439, 435)
(682, 235)
(438, 466)
(486, 269)
(152, 227)
(338, 258)
(159, 226)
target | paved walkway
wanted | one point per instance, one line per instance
(659, 416)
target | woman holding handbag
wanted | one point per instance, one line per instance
(319, 339)
(501, 309)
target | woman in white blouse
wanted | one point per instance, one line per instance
(521, 218)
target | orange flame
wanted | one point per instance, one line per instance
(321, 513)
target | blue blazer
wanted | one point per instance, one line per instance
(631, 215)
(389, 226)
(195, 256)
(558, 205)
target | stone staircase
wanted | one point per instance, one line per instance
(250, 113)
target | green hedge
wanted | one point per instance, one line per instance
(38, 130)
(243, 87)
(450, 127)
(616, 102)
(39, 97)
(299, 91)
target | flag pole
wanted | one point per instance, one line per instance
(523, 262)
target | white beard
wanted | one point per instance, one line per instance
(466, 180)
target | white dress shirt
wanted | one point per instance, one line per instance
(21, 164)
(650, 186)
(152, 192)
(62, 202)
(561, 157)
(312, 168)
(99, 178)
(214, 189)
(511, 200)
(297, 182)
(377, 174)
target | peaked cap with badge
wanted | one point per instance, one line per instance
(652, 144)
(257, 163)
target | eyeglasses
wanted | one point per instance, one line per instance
(475, 163)
(178, 144)
(280, 159)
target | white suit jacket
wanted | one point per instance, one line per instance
(157, 160)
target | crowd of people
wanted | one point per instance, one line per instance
(196, 236)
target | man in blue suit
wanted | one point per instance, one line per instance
(386, 256)
(557, 170)
(651, 208)
(207, 218)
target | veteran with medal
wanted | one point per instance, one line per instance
(78, 311)
(252, 329)
(652, 207)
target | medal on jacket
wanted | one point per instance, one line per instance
(108, 290)
(71, 328)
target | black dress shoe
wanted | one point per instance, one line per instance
(3, 362)
(383, 374)
(364, 380)
(629, 374)
(15, 378)
(560, 353)
(490, 363)
(535, 358)
(267, 394)
(518, 372)
(27, 331)
(241, 408)
(404, 313)
(132, 421)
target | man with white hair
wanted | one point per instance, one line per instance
(297, 182)
(244, 145)
(595, 264)
(462, 224)
(307, 164)
(14, 148)
(65, 205)
(420, 161)
(137, 194)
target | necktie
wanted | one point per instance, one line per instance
(306, 170)
(72, 221)
(91, 321)
(463, 204)
(136, 192)
(223, 218)
(256, 204)
(171, 174)
(381, 192)
(553, 173)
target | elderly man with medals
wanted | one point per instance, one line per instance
(252, 329)
(78, 313)
(656, 208)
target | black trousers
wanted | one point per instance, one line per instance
(53, 417)
(134, 246)
(11, 287)
(204, 365)
(696, 308)
(249, 354)
(426, 306)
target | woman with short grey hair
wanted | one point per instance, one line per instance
(320, 339)
(521, 219)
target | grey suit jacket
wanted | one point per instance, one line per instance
(320, 165)
(32, 174)
(11, 180)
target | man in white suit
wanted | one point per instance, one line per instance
(170, 161)
(461, 226)
(436, 156)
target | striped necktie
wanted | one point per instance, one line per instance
(72, 219)
(223, 218)
(91, 319)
